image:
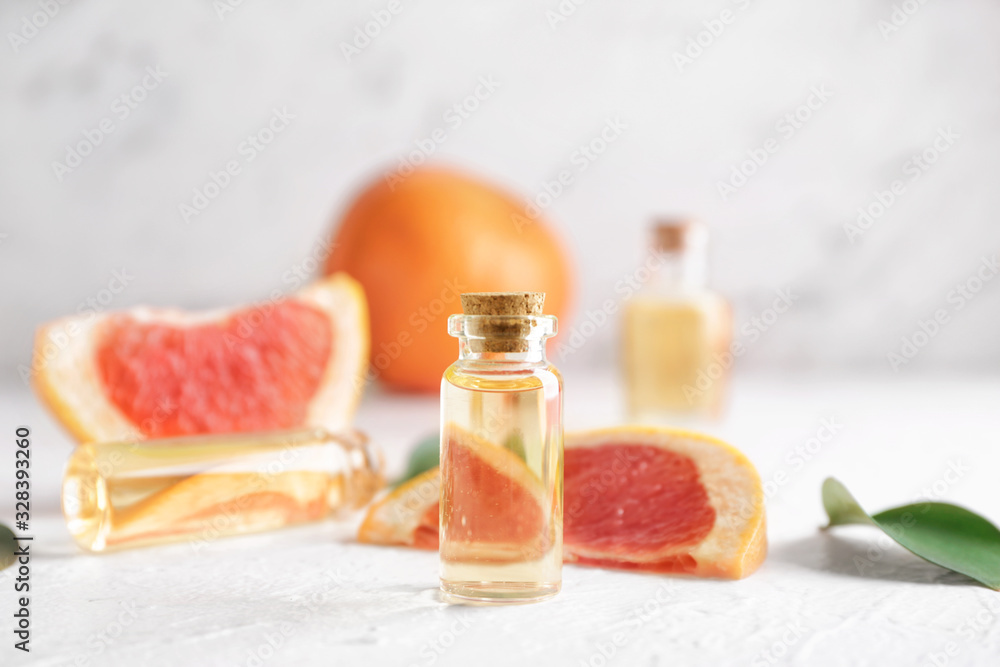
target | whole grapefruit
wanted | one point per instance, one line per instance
(415, 242)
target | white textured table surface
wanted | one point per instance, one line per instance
(311, 596)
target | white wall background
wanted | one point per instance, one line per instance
(62, 241)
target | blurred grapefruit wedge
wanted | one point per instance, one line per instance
(149, 372)
(636, 498)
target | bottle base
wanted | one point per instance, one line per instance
(496, 592)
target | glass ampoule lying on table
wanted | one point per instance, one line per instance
(142, 492)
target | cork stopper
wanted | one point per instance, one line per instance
(503, 319)
(503, 303)
(675, 235)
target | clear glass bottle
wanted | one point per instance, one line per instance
(125, 494)
(501, 454)
(677, 333)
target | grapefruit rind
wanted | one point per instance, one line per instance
(343, 299)
(85, 413)
(737, 542)
(497, 458)
(69, 381)
(397, 517)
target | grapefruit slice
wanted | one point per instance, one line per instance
(222, 503)
(636, 498)
(663, 501)
(147, 372)
(505, 517)
(407, 516)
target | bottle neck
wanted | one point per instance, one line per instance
(472, 350)
(686, 269)
(492, 341)
(363, 473)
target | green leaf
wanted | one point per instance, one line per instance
(841, 506)
(8, 545)
(515, 443)
(947, 535)
(424, 456)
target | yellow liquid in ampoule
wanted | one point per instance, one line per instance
(501, 484)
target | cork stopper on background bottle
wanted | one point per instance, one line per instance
(510, 321)
(675, 235)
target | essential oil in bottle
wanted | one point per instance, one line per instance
(501, 454)
(126, 494)
(676, 333)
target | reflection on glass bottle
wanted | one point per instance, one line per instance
(676, 333)
(143, 492)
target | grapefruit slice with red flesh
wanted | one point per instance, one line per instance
(636, 498)
(151, 373)
(502, 521)
(409, 515)
(504, 518)
(662, 501)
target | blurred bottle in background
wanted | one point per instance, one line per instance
(676, 332)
